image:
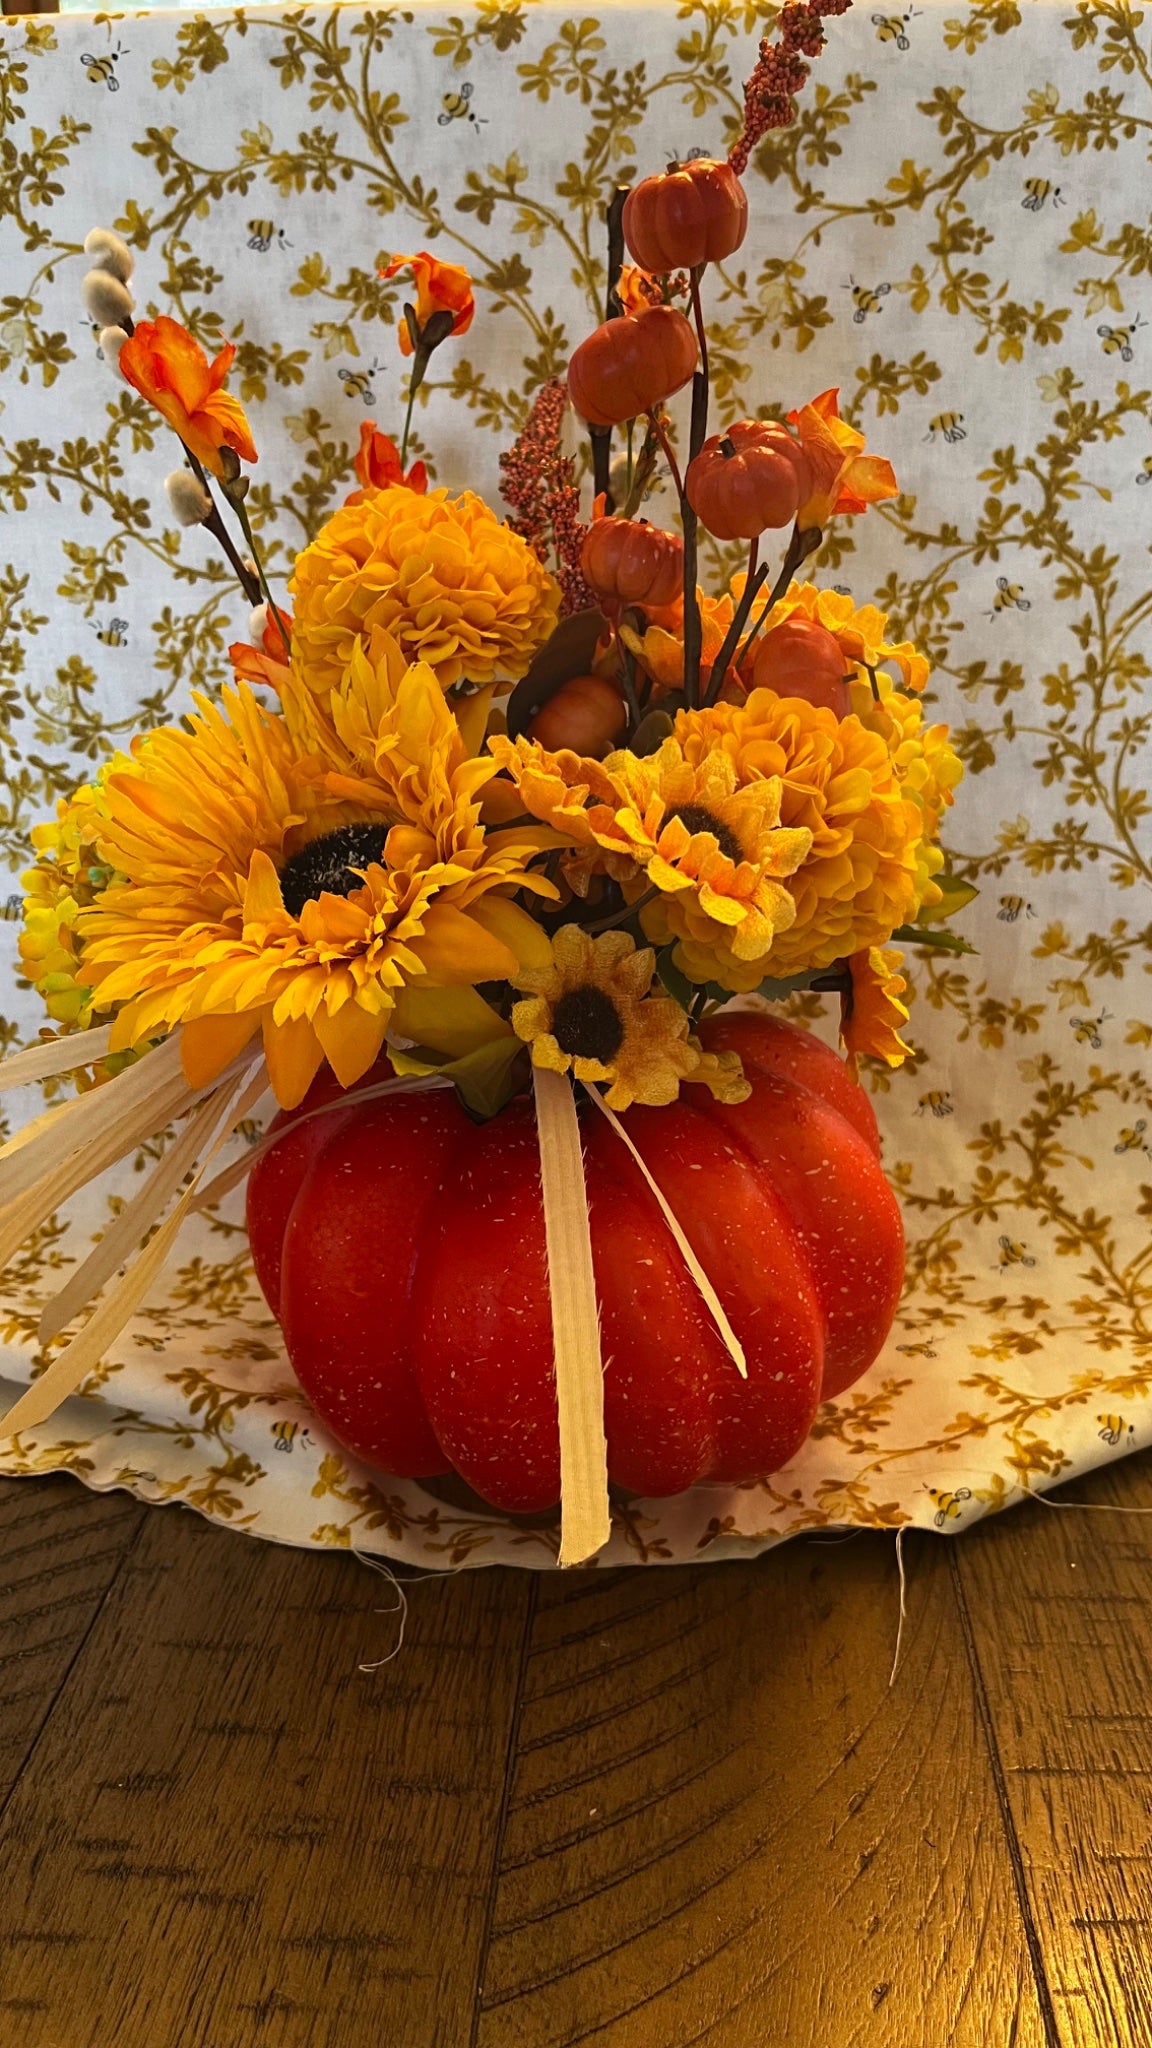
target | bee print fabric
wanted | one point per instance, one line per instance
(951, 234)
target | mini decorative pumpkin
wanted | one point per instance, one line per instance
(628, 561)
(800, 658)
(629, 365)
(744, 481)
(586, 714)
(692, 213)
(383, 1236)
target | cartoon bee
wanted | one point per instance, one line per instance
(917, 1350)
(1113, 1428)
(1012, 1253)
(1086, 1030)
(288, 1434)
(1144, 474)
(358, 383)
(1009, 595)
(1118, 340)
(262, 234)
(938, 1101)
(102, 70)
(456, 106)
(1131, 1139)
(1012, 907)
(890, 28)
(950, 424)
(250, 1130)
(114, 634)
(866, 299)
(949, 1506)
(1037, 190)
(12, 910)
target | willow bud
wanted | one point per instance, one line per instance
(258, 625)
(108, 252)
(112, 340)
(107, 302)
(188, 501)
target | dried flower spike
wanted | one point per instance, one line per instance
(780, 73)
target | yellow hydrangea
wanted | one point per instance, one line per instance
(68, 877)
(458, 590)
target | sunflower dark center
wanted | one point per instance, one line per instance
(325, 865)
(698, 818)
(586, 1025)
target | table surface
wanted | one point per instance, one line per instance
(647, 1809)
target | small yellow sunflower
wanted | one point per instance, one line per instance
(589, 1012)
(455, 586)
(681, 823)
(874, 1015)
(256, 898)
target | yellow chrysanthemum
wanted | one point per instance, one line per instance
(449, 580)
(927, 766)
(258, 898)
(683, 823)
(68, 877)
(838, 783)
(874, 1015)
(590, 1013)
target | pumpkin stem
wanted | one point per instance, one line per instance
(727, 447)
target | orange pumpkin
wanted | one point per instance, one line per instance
(402, 1248)
(630, 365)
(586, 714)
(690, 214)
(800, 658)
(627, 561)
(744, 481)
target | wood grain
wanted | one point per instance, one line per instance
(229, 1835)
(61, 1549)
(724, 1828)
(1058, 1612)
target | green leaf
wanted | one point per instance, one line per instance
(935, 941)
(484, 1080)
(956, 896)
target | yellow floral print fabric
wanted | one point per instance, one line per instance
(951, 234)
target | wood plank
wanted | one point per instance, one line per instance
(228, 1833)
(724, 1828)
(1059, 1612)
(61, 1549)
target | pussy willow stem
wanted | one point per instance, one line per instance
(407, 421)
(668, 454)
(693, 636)
(241, 512)
(753, 586)
(216, 527)
(799, 548)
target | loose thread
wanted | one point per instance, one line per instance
(400, 1607)
(1088, 1507)
(900, 1535)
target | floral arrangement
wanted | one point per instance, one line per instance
(491, 802)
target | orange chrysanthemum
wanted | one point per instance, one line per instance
(167, 367)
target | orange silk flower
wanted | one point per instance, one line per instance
(843, 478)
(168, 368)
(636, 290)
(377, 465)
(440, 288)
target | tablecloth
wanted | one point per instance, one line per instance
(953, 234)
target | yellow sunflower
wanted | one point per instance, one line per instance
(455, 586)
(874, 1015)
(678, 823)
(589, 1012)
(255, 898)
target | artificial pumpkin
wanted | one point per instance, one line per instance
(745, 481)
(402, 1248)
(801, 658)
(631, 364)
(586, 714)
(628, 561)
(692, 213)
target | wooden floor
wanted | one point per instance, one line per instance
(651, 1809)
